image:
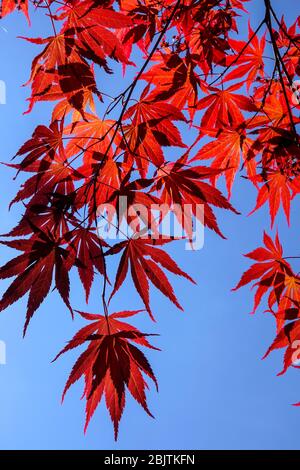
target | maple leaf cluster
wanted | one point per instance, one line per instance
(201, 105)
(273, 277)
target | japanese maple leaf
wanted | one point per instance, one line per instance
(289, 338)
(239, 4)
(248, 58)
(280, 149)
(175, 81)
(91, 24)
(54, 217)
(51, 177)
(59, 73)
(88, 248)
(43, 145)
(283, 306)
(144, 259)
(282, 35)
(151, 128)
(110, 364)
(229, 146)
(58, 51)
(8, 6)
(180, 185)
(138, 203)
(276, 189)
(287, 37)
(75, 79)
(223, 107)
(157, 114)
(142, 148)
(146, 22)
(269, 271)
(43, 256)
(103, 179)
(274, 115)
(44, 155)
(64, 108)
(92, 134)
(206, 32)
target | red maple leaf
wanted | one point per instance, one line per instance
(175, 81)
(144, 258)
(248, 58)
(229, 146)
(224, 107)
(276, 188)
(182, 185)
(269, 271)
(150, 129)
(92, 25)
(110, 364)
(289, 338)
(43, 256)
(88, 250)
(8, 6)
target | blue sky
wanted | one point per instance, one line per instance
(215, 392)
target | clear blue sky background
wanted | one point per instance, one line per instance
(215, 392)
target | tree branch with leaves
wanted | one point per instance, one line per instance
(199, 104)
